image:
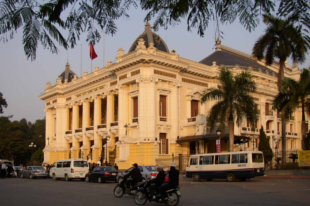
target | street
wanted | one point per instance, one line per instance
(260, 191)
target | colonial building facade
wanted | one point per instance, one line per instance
(147, 106)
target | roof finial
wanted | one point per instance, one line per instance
(147, 26)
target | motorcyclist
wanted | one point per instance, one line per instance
(158, 181)
(135, 174)
(173, 180)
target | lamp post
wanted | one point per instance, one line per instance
(126, 126)
(254, 138)
(48, 141)
(277, 147)
(32, 146)
(106, 148)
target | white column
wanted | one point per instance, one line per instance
(173, 105)
(75, 125)
(142, 114)
(85, 124)
(122, 111)
(110, 110)
(59, 126)
(48, 126)
(97, 119)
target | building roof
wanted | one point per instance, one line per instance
(230, 57)
(68, 74)
(150, 37)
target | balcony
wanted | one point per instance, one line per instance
(91, 128)
(292, 134)
(248, 130)
(134, 120)
(269, 132)
(101, 126)
(78, 130)
(114, 124)
(192, 119)
(68, 132)
(163, 119)
(269, 113)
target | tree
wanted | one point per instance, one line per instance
(281, 40)
(2, 103)
(37, 155)
(46, 22)
(264, 146)
(307, 141)
(235, 101)
(296, 93)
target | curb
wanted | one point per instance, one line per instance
(284, 177)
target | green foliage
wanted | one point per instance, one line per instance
(234, 99)
(45, 21)
(37, 155)
(264, 146)
(307, 141)
(15, 137)
(2, 103)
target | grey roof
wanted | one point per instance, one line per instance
(67, 74)
(150, 37)
(226, 57)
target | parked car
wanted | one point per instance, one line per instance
(34, 172)
(149, 171)
(102, 174)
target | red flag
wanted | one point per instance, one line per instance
(92, 52)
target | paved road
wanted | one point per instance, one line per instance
(46, 192)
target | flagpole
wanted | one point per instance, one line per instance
(103, 47)
(91, 57)
(81, 60)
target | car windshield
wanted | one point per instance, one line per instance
(18, 167)
(80, 164)
(38, 168)
(151, 168)
(109, 169)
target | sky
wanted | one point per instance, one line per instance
(22, 80)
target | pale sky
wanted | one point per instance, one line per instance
(22, 81)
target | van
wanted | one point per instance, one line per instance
(230, 165)
(69, 169)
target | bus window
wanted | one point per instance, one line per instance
(243, 158)
(257, 158)
(222, 159)
(235, 158)
(206, 160)
(194, 161)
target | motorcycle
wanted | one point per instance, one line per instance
(143, 194)
(121, 188)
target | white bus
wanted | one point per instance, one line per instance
(230, 165)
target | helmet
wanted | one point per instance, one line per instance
(173, 164)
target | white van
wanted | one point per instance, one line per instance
(69, 169)
(230, 165)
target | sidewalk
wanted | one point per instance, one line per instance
(284, 177)
(287, 174)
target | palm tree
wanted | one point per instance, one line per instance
(281, 40)
(294, 93)
(234, 101)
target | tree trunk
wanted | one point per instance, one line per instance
(303, 126)
(281, 74)
(231, 136)
(283, 141)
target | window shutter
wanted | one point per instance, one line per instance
(135, 107)
(194, 108)
(247, 122)
(267, 108)
(163, 106)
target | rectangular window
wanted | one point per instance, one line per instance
(91, 113)
(194, 161)
(162, 106)
(206, 160)
(243, 158)
(67, 164)
(115, 108)
(70, 119)
(135, 109)
(267, 108)
(80, 164)
(257, 158)
(59, 164)
(291, 127)
(103, 110)
(278, 126)
(80, 116)
(267, 126)
(163, 145)
(239, 158)
(222, 159)
(194, 108)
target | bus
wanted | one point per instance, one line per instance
(232, 166)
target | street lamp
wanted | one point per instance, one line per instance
(32, 146)
(218, 131)
(277, 146)
(126, 126)
(106, 156)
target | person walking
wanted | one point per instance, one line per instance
(115, 166)
(10, 170)
(3, 170)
